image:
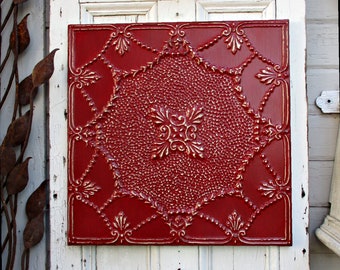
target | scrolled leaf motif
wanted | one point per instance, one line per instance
(271, 75)
(89, 189)
(235, 224)
(44, 69)
(268, 189)
(234, 42)
(195, 114)
(120, 222)
(18, 178)
(83, 78)
(233, 38)
(274, 188)
(21, 36)
(122, 43)
(178, 131)
(179, 224)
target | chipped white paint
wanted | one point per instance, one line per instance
(64, 12)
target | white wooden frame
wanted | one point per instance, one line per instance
(64, 12)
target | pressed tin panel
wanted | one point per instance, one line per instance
(179, 134)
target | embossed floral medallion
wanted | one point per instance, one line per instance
(179, 134)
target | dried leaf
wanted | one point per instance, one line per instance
(37, 201)
(16, 132)
(44, 69)
(34, 231)
(7, 159)
(25, 90)
(18, 178)
(23, 36)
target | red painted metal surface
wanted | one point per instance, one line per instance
(179, 134)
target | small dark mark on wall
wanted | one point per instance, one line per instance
(304, 251)
(303, 194)
(55, 196)
(65, 114)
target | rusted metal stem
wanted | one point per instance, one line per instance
(7, 89)
(23, 149)
(13, 207)
(9, 13)
(9, 226)
(15, 61)
(3, 64)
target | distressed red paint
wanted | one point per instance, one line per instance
(179, 134)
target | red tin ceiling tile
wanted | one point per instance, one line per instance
(179, 134)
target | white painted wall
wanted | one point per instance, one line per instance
(322, 74)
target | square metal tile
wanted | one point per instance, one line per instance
(179, 134)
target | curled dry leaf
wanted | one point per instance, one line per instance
(23, 36)
(37, 201)
(34, 231)
(26, 89)
(7, 159)
(17, 130)
(17, 179)
(44, 69)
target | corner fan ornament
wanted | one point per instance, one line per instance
(179, 134)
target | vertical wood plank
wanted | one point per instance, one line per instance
(272, 258)
(174, 257)
(297, 256)
(154, 258)
(174, 11)
(122, 257)
(249, 257)
(62, 256)
(89, 258)
(222, 258)
(205, 257)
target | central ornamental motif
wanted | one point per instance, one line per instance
(179, 155)
(177, 131)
